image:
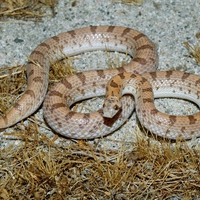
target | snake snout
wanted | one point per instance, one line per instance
(111, 107)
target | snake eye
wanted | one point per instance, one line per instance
(116, 107)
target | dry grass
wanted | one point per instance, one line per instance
(40, 169)
(194, 51)
(26, 9)
(12, 85)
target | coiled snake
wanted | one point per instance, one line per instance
(88, 84)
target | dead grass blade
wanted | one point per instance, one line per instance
(26, 9)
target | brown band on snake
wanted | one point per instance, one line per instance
(143, 80)
(56, 39)
(154, 111)
(55, 93)
(66, 83)
(152, 60)
(192, 119)
(125, 31)
(185, 76)
(137, 37)
(146, 46)
(72, 33)
(121, 75)
(197, 83)
(93, 29)
(153, 75)
(148, 100)
(69, 115)
(56, 106)
(141, 61)
(110, 29)
(121, 70)
(168, 74)
(133, 76)
(86, 118)
(82, 77)
(100, 73)
(37, 53)
(172, 120)
(147, 90)
(113, 84)
(45, 45)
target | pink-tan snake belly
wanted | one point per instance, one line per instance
(93, 83)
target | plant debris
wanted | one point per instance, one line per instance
(194, 51)
(12, 86)
(136, 2)
(41, 169)
(26, 9)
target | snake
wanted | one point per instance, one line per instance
(132, 86)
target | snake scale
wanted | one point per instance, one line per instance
(117, 84)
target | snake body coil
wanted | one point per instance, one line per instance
(93, 83)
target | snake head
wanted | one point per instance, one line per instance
(111, 106)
